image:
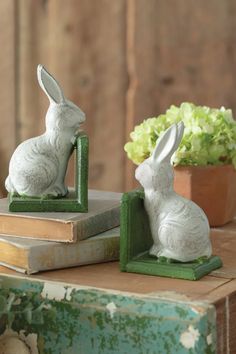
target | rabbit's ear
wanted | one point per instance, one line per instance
(180, 133)
(166, 145)
(49, 85)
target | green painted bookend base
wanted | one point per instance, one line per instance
(136, 240)
(76, 201)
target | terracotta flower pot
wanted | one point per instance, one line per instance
(213, 188)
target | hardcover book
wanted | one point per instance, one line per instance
(103, 214)
(31, 256)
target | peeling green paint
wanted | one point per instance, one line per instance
(80, 322)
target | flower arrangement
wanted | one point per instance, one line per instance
(209, 136)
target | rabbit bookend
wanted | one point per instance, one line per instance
(38, 166)
(163, 233)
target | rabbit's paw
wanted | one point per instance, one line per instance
(202, 259)
(165, 254)
(58, 191)
(154, 250)
(165, 260)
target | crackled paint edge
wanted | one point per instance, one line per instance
(97, 300)
(190, 337)
(112, 308)
(54, 291)
(30, 340)
(209, 339)
(68, 293)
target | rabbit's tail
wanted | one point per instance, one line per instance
(9, 186)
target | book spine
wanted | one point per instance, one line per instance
(98, 223)
(41, 229)
(67, 255)
(60, 231)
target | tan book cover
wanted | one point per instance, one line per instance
(31, 256)
(103, 214)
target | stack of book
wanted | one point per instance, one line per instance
(32, 242)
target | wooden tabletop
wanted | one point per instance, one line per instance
(218, 288)
(108, 276)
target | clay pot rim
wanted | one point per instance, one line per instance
(204, 167)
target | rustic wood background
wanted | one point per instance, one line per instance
(121, 61)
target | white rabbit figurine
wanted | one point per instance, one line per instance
(38, 165)
(179, 227)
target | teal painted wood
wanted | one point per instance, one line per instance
(136, 240)
(84, 321)
(75, 203)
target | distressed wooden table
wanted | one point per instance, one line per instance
(96, 309)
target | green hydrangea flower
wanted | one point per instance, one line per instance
(209, 136)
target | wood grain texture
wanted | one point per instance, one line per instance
(180, 51)
(121, 61)
(108, 276)
(224, 299)
(218, 288)
(74, 42)
(223, 243)
(7, 87)
(33, 49)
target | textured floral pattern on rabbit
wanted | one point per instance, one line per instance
(179, 227)
(172, 239)
(38, 165)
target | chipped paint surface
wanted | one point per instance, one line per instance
(53, 291)
(30, 340)
(59, 292)
(111, 307)
(68, 293)
(209, 339)
(24, 343)
(189, 338)
(88, 320)
(10, 345)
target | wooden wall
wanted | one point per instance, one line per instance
(121, 61)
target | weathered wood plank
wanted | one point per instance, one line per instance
(164, 60)
(108, 276)
(74, 42)
(224, 299)
(33, 31)
(218, 288)
(7, 87)
(178, 52)
(100, 322)
(223, 243)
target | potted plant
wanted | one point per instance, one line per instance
(205, 161)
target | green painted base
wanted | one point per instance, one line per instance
(73, 202)
(136, 240)
(146, 264)
(69, 203)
